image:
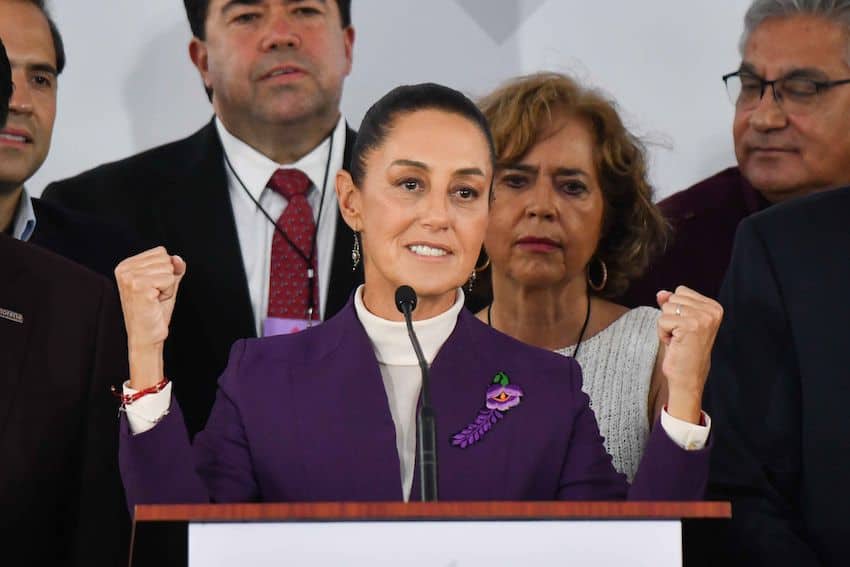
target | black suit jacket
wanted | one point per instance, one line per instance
(61, 501)
(176, 195)
(779, 388)
(88, 241)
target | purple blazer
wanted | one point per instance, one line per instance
(305, 417)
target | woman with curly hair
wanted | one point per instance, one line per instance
(571, 223)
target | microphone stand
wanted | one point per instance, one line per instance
(426, 425)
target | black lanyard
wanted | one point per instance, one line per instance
(580, 335)
(308, 260)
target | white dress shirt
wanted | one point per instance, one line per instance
(23, 223)
(402, 382)
(255, 231)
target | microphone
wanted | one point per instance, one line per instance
(426, 425)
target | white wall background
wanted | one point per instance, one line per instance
(129, 84)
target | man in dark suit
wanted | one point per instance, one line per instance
(63, 345)
(274, 70)
(791, 139)
(780, 385)
(38, 57)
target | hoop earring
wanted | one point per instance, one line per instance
(485, 265)
(355, 252)
(598, 287)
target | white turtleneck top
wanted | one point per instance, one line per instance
(400, 370)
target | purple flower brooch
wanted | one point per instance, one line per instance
(501, 396)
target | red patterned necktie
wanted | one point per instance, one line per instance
(288, 276)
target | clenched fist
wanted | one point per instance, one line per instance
(147, 284)
(687, 328)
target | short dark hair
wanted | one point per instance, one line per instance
(198, 10)
(5, 85)
(405, 99)
(58, 44)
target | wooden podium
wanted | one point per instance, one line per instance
(444, 533)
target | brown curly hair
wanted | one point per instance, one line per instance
(634, 230)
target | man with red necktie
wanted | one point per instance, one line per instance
(274, 71)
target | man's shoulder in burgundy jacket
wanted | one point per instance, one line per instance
(703, 219)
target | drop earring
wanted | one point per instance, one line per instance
(471, 283)
(355, 252)
(476, 269)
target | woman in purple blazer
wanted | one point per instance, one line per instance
(328, 414)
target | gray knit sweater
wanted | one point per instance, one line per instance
(617, 366)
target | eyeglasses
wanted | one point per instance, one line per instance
(796, 95)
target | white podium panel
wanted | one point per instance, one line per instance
(600, 543)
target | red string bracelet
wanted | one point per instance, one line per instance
(127, 399)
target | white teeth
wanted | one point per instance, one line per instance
(13, 138)
(281, 72)
(422, 250)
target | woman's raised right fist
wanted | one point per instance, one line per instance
(147, 284)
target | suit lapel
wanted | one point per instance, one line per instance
(343, 278)
(200, 224)
(201, 227)
(14, 336)
(345, 416)
(460, 376)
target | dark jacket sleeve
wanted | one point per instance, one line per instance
(161, 466)
(102, 525)
(754, 395)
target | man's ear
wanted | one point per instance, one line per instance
(348, 39)
(349, 198)
(198, 55)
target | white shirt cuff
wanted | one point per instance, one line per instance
(148, 410)
(688, 436)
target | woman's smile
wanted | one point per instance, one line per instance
(429, 250)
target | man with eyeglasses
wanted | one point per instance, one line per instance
(779, 388)
(791, 131)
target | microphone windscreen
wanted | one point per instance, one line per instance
(405, 297)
